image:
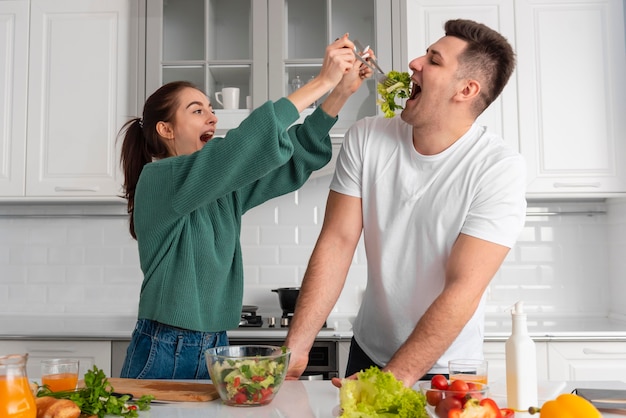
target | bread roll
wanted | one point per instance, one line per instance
(49, 407)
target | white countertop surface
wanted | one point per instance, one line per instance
(119, 327)
(320, 399)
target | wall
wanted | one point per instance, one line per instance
(80, 259)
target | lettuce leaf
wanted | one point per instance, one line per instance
(379, 394)
(399, 86)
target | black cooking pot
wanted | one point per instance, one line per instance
(287, 297)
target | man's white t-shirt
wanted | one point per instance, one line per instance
(414, 207)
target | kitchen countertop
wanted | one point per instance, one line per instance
(320, 399)
(119, 327)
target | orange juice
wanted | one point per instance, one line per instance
(16, 398)
(469, 378)
(60, 381)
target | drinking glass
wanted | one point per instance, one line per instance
(470, 370)
(59, 374)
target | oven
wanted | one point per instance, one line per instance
(323, 362)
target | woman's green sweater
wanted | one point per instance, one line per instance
(188, 213)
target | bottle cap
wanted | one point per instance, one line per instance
(517, 310)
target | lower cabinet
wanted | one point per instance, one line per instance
(89, 353)
(587, 360)
(566, 360)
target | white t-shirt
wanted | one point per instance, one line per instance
(414, 207)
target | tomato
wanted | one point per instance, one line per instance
(236, 381)
(433, 397)
(240, 398)
(446, 404)
(258, 378)
(473, 390)
(460, 388)
(507, 412)
(439, 381)
(266, 393)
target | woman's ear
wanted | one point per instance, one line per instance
(164, 129)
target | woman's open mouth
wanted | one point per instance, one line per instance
(206, 137)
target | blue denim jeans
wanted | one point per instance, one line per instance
(159, 351)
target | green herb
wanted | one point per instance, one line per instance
(398, 85)
(96, 397)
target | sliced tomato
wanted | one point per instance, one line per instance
(240, 398)
(507, 412)
(258, 378)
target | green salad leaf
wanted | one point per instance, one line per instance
(379, 394)
(398, 85)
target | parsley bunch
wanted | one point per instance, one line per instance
(97, 398)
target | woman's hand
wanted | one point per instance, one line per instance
(338, 61)
(350, 82)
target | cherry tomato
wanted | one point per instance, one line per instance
(439, 381)
(433, 397)
(460, 388)
(473, 390)
(446, 404)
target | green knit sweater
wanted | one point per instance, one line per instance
(188, 213)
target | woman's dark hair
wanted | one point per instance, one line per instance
(488, 57)
(142, 144)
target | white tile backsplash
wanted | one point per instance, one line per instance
(81, 259)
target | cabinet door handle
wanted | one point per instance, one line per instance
(602, 352)
(566, 185)
(51, 350)
(76, 189)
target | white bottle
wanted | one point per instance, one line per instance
(521, 363)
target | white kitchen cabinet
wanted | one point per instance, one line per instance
(260, 46)
(423, 25)
(69, 84)
(83, 59)
(495, 355)
(589, 360)
(572, 95)
(13, 90)
(88, 353)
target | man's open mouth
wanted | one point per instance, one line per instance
(415, 90)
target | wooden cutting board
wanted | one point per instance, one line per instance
(166, 390)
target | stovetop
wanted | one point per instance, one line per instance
(270, 323)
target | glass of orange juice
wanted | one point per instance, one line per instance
(59, 374)
(470, 370)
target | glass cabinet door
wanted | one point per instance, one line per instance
(304, 28)
(212, 43)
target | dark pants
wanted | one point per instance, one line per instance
(358, 360)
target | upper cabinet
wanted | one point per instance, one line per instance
(81, 58)
(13, 90)
(261, 47)
(572, 96)
(564, 106)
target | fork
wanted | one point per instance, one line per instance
(382, 79)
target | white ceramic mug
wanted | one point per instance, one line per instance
(228, 97)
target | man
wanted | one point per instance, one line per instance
(439, 201)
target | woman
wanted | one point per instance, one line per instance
(186, 194)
